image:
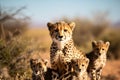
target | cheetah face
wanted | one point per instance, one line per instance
(80, 65)
(100, 48)
(38, 66)
(61, 31)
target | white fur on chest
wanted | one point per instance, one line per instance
(82, 76)
(100, 62)
(60, 44)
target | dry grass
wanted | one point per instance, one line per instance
(40, 42)
(38, 46)
(41, 37)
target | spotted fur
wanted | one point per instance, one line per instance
(97, 59)
(62, 49)
(77, 70)
(41, 71)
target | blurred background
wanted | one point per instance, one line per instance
(24, 34)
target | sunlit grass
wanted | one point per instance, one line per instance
(39, 37)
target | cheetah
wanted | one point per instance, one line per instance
(97, 58)
(62, 49)
(41, 71)
(77, 70)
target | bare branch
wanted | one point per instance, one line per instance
(16, 12)
(6, 16)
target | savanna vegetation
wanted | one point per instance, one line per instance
(19, 42)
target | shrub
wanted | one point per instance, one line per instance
(86, 31)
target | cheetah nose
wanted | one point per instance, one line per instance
(60, 36)
(99, 54)
(36, 72)
(79, 70)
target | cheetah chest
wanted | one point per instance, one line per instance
(100, 62)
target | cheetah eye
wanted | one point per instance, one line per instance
(82, 64)
(33, 65)
(56, 30)
(76, 65)
(40, 66)
(65, 30)
(103, 49)
(97, 49)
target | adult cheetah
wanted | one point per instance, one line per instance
(62, 49)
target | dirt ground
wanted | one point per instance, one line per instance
(112, 70)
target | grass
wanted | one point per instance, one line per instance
(39, 37)
(111, 69)
(37, 43)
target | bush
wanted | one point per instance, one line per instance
(86, 31)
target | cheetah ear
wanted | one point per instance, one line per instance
(31, 61)
(50, 25)
(107, 43)
(73, 61)
(94, 43)
(72, 25)
(46, 62)
(87, 61)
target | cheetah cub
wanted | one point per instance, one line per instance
(97, 59)
(41, 71)
(77, 70)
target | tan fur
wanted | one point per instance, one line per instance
(61, 29)
(41, 71)
(38, 67)
(97, 59)
(62, 49)
(77, 70)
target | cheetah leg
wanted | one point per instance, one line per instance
(55, 75)
(66, 76)
(93, 72)
(99, 74)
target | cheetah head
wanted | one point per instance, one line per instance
(100, 47)
(38, 66)
(79, 65)
(61, 31)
